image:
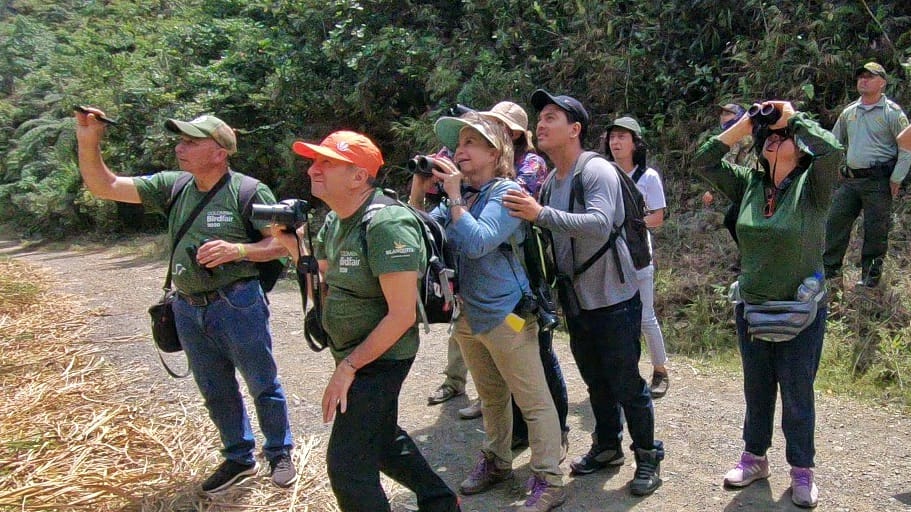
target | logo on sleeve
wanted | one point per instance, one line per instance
(399, 250)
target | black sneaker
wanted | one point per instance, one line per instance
(596, 459)
(660, 384)
(228, 474)
(648, 473)
(284, 474)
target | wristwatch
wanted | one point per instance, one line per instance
(458, 201)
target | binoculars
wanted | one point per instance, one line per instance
(421, 165)
(763, 115)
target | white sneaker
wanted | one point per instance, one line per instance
(804, 492)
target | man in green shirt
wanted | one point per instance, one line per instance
(370, 315)
(872, 176)
(221, 314)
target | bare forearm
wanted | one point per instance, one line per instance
(382, 338)
(99, 179)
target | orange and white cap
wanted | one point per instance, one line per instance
(345, 146)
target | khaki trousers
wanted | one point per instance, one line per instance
(503, 362)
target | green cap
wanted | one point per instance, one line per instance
(206, 127)
(872, 67)
(627, 123)
(448, 129)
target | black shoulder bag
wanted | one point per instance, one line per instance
(164, 327)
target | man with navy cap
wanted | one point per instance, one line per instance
(604, 335)
(873, 173)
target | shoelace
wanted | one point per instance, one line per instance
(281, 463)
(802, 478)
(537, 486)
(481, 468)
(645, 469)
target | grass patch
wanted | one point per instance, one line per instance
(79, 434)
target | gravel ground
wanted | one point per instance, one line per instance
(861, 452)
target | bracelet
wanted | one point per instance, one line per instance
(457, 201)
(241, 251)
(349, 363)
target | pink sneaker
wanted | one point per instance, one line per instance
(748, 470)
(804, 492)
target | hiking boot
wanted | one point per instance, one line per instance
(748, 470)
(596, 459)
(648, 472)
(228, 474)
(284, 474)
(443, 393)
(804, 492)
(660, 384)
(485, 475)
(542, 496)
(871, 273)
(472, 411)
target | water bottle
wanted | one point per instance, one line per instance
(809, 288)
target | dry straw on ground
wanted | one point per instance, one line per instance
(77, 433)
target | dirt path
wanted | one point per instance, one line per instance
(863, 451)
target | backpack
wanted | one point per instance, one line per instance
(632, 230)
(438, 284)
(269, 271)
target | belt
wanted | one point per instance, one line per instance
(848, 172)
(206, 298)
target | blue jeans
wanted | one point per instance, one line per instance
(555, 383)
(366, 440)
(791, 366)
(605, 345)
(231, 335)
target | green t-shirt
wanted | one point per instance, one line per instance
(778, 252)
(355, 304)
(219, 220)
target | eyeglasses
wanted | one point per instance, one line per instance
(771, 201)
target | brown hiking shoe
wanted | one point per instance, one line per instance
(542, 496)
(485, 475)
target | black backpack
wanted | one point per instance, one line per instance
(439, 283)
(633, 230)
(269, 271)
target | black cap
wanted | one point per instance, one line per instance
(572, 106)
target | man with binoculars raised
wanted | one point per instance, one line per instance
(872, 176)
(221, 313)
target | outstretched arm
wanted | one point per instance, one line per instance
(97, 177)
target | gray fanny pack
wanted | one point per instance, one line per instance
(779, 320)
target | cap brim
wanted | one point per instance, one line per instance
(447, 130)
(542, 98)
(511, 124)
(311, 151)
(183, 127)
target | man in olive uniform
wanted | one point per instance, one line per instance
(872, 175)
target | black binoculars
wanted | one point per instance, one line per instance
(766, 115)
(291, 213)
(421, 165)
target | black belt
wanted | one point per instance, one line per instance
(206, 298)
(848, 172)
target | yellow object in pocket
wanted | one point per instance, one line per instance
(515, 322)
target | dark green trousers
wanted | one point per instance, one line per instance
(873, 197)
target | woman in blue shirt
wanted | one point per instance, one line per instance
(498, 337)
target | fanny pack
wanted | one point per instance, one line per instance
(779, 320)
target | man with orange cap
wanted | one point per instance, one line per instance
(370, 316)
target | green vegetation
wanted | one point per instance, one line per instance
(278, 70)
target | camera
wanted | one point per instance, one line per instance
(547, 309)
(290, 212)
(542, 305)
(421, 165)
(763, 115)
